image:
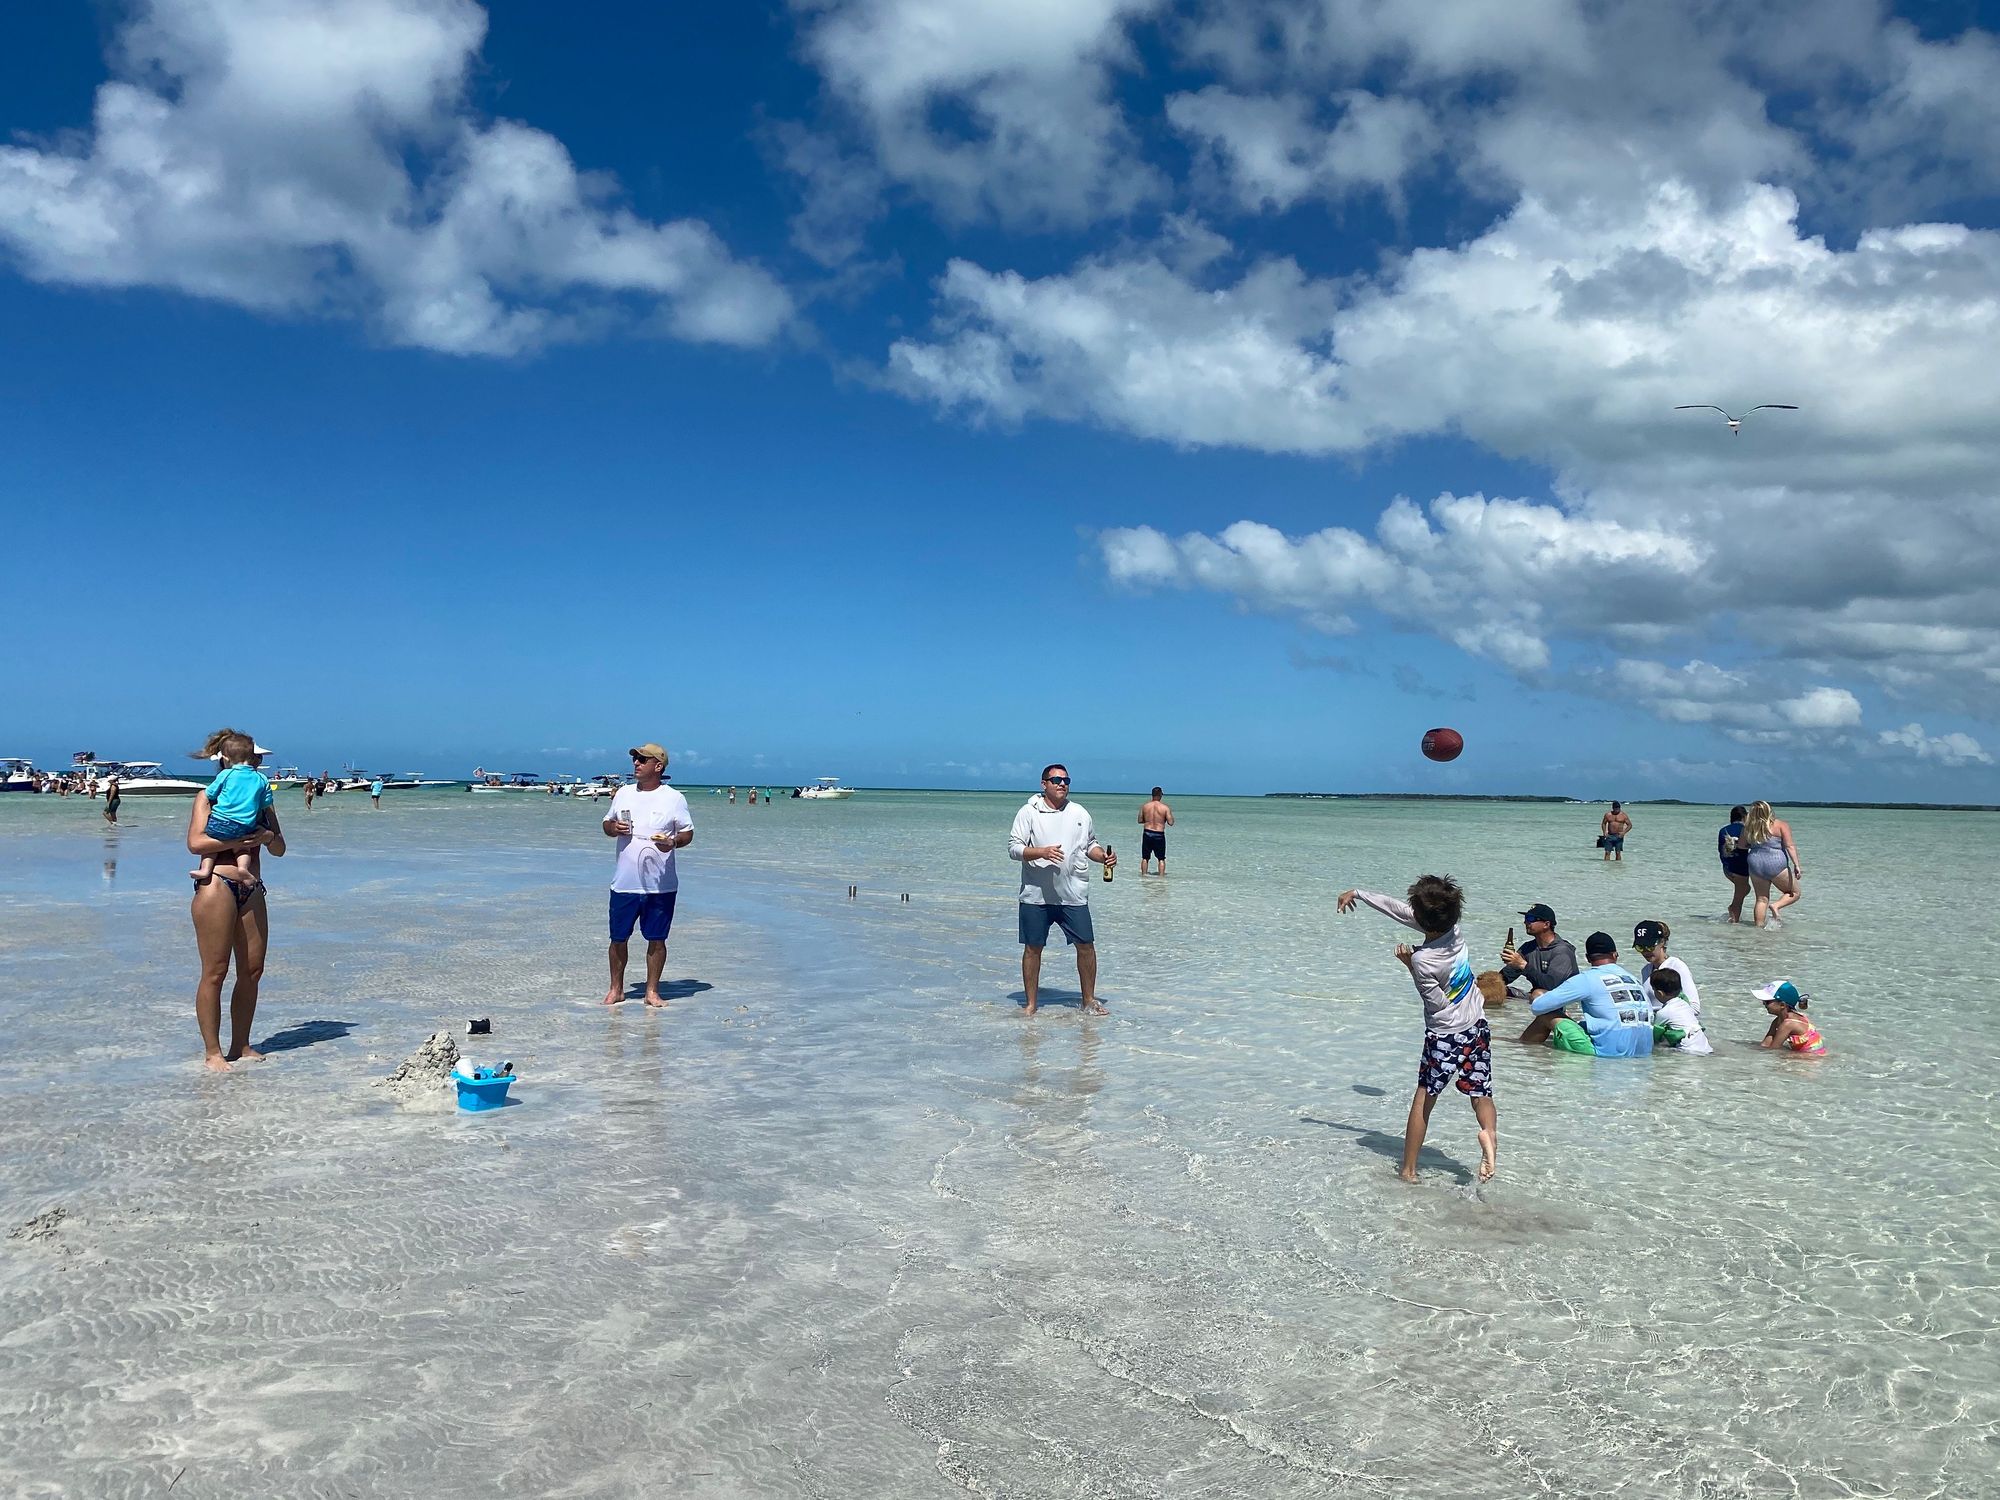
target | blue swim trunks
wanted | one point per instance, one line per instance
(652, 910)
(1037, 920)
(1614, 843)
(227, 829)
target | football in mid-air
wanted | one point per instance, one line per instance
(1443, 744)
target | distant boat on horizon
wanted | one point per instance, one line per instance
(412, 781)
(510, 781)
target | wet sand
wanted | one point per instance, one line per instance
(839, 1222)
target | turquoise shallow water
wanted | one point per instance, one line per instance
(842, 1222)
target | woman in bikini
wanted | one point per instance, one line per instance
(230, 921)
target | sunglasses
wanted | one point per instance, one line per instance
(1056, 780)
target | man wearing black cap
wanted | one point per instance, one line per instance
(1546, 961)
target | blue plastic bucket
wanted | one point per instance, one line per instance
(481, 1093)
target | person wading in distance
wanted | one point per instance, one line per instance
(1155, 818)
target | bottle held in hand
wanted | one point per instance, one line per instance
(1107, 863)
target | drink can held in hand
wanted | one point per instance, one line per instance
(1107, 862)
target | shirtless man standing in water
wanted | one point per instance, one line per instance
(1155, 818)
(1611, 831)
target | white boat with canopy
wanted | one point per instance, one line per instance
(510, 781)
(145, 778)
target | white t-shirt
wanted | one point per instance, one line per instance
(644, 867)
(1044, 882)
(1688, 992)
(1684, 1010)
(1677, 1012)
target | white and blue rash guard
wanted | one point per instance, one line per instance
(1451, 1000)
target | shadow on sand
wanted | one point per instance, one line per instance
(672, 989)
(304, 1035)
(1391, 1147)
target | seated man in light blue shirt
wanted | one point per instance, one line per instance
(1617, 1011)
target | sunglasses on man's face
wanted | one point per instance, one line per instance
(1056, 780)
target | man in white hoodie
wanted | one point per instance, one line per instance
(1056, 843)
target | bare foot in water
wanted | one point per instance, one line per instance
(614, 997)
(655, 999)
(1095, 1008)
(1406, 1176)
(248, 1054)
(1488, 1156)
(215, 1063)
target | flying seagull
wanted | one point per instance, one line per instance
(1736, 423)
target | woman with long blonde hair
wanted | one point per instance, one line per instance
(1773, 860)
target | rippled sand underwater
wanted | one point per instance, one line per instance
(841, 1222)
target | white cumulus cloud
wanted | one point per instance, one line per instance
(319, 157)
(1954, 749)
(1272, 151)
(1487, 575)
(1566, 336)
(990, 108)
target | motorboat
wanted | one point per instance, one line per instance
(347, 781)
(17, 774)
(509, 781)
(599, 786)
(144, 778)
(825, 789)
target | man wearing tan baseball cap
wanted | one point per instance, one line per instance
(650, 821)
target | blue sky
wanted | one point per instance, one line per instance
(1217, 395)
